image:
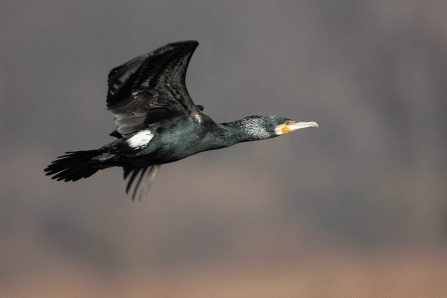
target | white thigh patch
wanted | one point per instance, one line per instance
(141, 139)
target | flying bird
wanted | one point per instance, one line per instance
(158, 123)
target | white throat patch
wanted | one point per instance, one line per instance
(141, 139)
(254, 127)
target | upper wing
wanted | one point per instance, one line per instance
(151, 88)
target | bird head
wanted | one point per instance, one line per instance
(265, 127)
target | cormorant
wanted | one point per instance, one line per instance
(157, 122)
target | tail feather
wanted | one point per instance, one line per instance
(73, 166)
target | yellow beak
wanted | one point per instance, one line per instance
(292, 126)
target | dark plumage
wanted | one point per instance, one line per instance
(158, 123)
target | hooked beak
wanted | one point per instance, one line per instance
(292, 126)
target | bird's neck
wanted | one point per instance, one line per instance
(244, 131)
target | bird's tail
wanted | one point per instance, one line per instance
(74, 165)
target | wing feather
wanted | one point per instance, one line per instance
(151, 88)
(144, 182)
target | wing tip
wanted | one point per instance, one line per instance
(192, 44)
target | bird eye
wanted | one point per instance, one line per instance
(287, 122)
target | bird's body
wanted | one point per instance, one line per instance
(158, 123)
(168, 142)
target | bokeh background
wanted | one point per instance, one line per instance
(355, 208)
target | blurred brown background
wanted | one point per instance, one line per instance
(355, 208)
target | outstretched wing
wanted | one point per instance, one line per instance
(151, 88)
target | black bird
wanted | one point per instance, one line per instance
(157, 122)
